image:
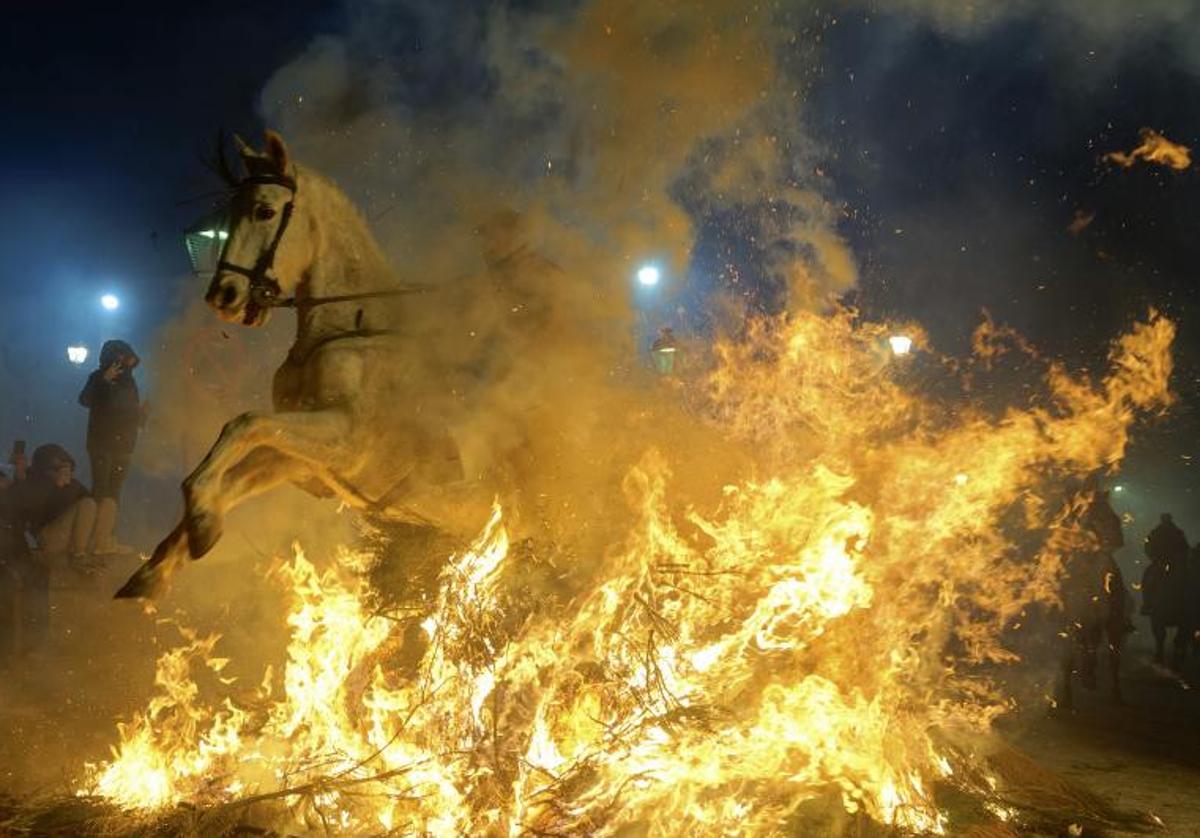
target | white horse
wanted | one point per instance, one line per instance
(354, 417)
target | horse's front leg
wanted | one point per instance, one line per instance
(154, 574)
(260, 470)
(314, 440)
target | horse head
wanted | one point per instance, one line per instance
(268, 249)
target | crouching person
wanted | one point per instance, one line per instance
(47, 502)
(59, 512)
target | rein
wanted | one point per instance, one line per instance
(265, 291)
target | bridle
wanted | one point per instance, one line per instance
(264, 288)
(265, 291)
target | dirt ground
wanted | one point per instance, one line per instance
(1143, 755)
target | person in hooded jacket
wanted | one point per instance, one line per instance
(115, 414)
(52, 506)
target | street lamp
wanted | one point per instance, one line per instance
(648, 275)
(77, 355)
(110, 302)
(901, 345)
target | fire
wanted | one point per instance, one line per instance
(1154, 148)
(826, 628)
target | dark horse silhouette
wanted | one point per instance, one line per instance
(1095, 601)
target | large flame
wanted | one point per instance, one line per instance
(817, 631)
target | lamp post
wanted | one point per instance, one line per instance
(901, 345)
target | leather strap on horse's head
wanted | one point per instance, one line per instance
(264, 289)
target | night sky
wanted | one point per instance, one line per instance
(958, 161)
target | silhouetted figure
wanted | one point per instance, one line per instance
(13, 551)
(1167, 589)
(1095, 596)
(114, 416)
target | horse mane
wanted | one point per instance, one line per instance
(345, 229)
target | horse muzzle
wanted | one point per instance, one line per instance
(230, 296)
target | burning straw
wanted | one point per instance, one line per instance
(835, 630)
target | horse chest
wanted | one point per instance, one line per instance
(287, 389)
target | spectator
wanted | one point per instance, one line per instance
(115, 413)
(51, 505)
(13, 551)
(1166, 586)
(55, 508)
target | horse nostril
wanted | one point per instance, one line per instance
(228, 296)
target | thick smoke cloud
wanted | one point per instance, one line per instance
(525, 162)
(581, 120)
(1104, 24)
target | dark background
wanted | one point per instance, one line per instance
(959, 161)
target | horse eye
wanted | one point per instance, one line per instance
(264, 213)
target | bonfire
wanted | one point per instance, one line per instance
(824, 651)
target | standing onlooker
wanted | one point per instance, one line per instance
(114, 415)
(1166, 587)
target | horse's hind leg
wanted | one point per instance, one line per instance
(1066, 692)
(1179, 647)
(316, 439)
(1116, 640)
(1089, 640)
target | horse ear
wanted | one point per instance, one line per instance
(277, 152)
(243, 147)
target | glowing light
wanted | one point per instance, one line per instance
(648, 275)
(901, 344)
(961, 479)
(77, 354)
(1118, 488)
(110, 302)
(209, 234)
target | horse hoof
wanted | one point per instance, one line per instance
(148, 582)
(204, 531)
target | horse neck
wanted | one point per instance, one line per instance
(347, 260)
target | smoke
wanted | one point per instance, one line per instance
(1087, 25)
(583, 121)
(526, 162)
